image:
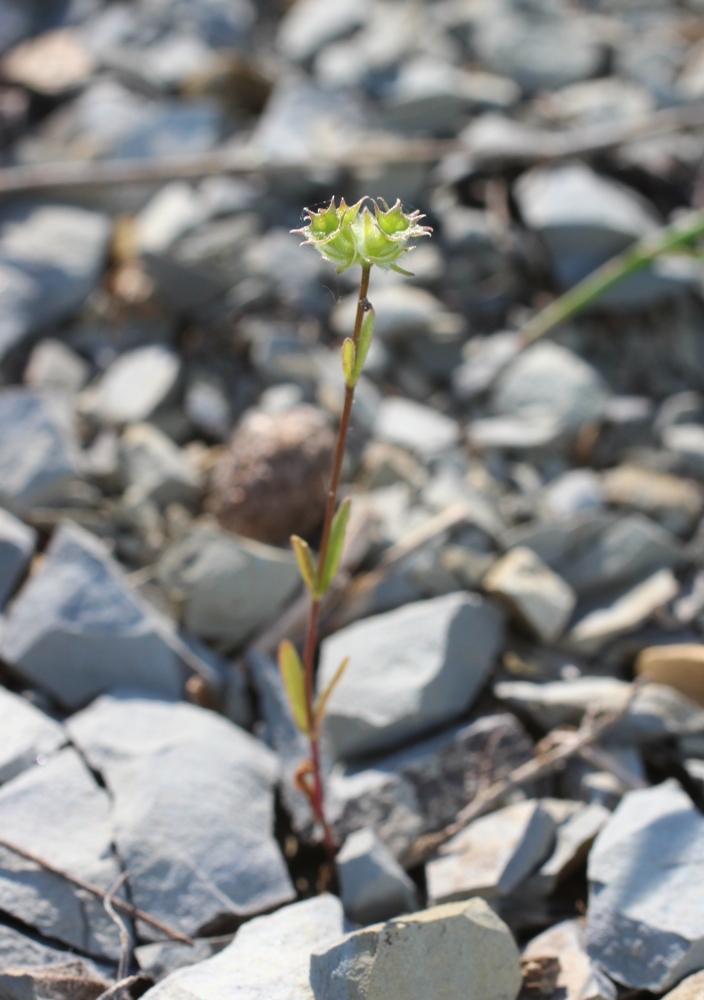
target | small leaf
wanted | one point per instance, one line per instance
(295, 683)
(306, 563)
(334, 553)
(323, 699)
(349, 362)
(365, 339)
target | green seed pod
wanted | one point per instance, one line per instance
(348, 235)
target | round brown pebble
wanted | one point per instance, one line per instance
(271, 481)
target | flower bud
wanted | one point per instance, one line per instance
(348, 235)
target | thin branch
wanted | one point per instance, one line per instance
(125, 936)
(119, 989)
(94, 890)
(551, 753)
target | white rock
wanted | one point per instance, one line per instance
(155, 469)
(493, 855)
(28, 735)
(414, 426)
(539, 598)
(579, 978)
(135, 385)
(17, 544)
(373, 885)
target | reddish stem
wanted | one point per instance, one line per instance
(311, 643)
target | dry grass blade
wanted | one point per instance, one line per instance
(125, 936)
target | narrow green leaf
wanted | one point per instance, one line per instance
(334, 553)
(295, 683)
(306, 563)
(323, 698)
(349, 361)
(365, 339)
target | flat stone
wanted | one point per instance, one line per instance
(136, 384)
(549, 382)
(690, 988)
(493, 855)
(155, 469)
(673, 502)
(17, 544)
(189, 867)
(24, 951)
(228, 587)
(585, 219)
(421, 789)
(686, 441)
(161, 958)
(268, 960)
(28, 735)
(73, 979)
(574, 838)
(579, 978)
(539, 598)
(58, 812)
(309, 26)
(410, 670)
(626, 614)
(414, 426)
(460, 949)
(656, 712)
(681, 666)
(53, 365)
(77, 629)
(645, 925)
(373, 885)
(51, 259)
(38, 453)
(54, 63)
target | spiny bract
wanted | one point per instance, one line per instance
(348, 235)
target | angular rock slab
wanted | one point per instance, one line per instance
(58, 812)
(493, 855)
(51, 258)
(17, 545)
(268, 960)
(373, 885)
(28, 735)
(410, 670)
(579, 978)
(422, 788)
(539, 598)
(77, 629)
(645, 921)
(193, 808)
(38, 454)
(457, 950)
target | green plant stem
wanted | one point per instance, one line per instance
(591, 288)
(311, 642)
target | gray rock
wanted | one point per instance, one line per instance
(539, 53)
(227, 586)
(154, 468)
(17, 544)
(645, 925)
(373, 885)
(421, 789)
(23, 951)
(28, 735)
(187, 866)
(460, 949)
(486, 358)
(579, 978)
(574, 838)
(539, 598)
(585, 219)
(686, 441)
(401, 313)
(493, 855)
(674, 503)
(38, 454)
(51, 258)
(77, 629)
(53, 365)
(410, 670)
(550, 382)
(268, 960)
(58, 812)
(135, 385)
(657, 711)
(626, 614)
(73, 978)
(308, 26)
(414, 426)
(161, 958)
(571, 493)
(520, 433)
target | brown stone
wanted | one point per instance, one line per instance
(691, 988)
(679, 666)
(271, 482)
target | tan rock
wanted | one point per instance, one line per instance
(675, 502)
(578, 978)
(680, 666)
(52, 63)
(539, 598)
(691, 988)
